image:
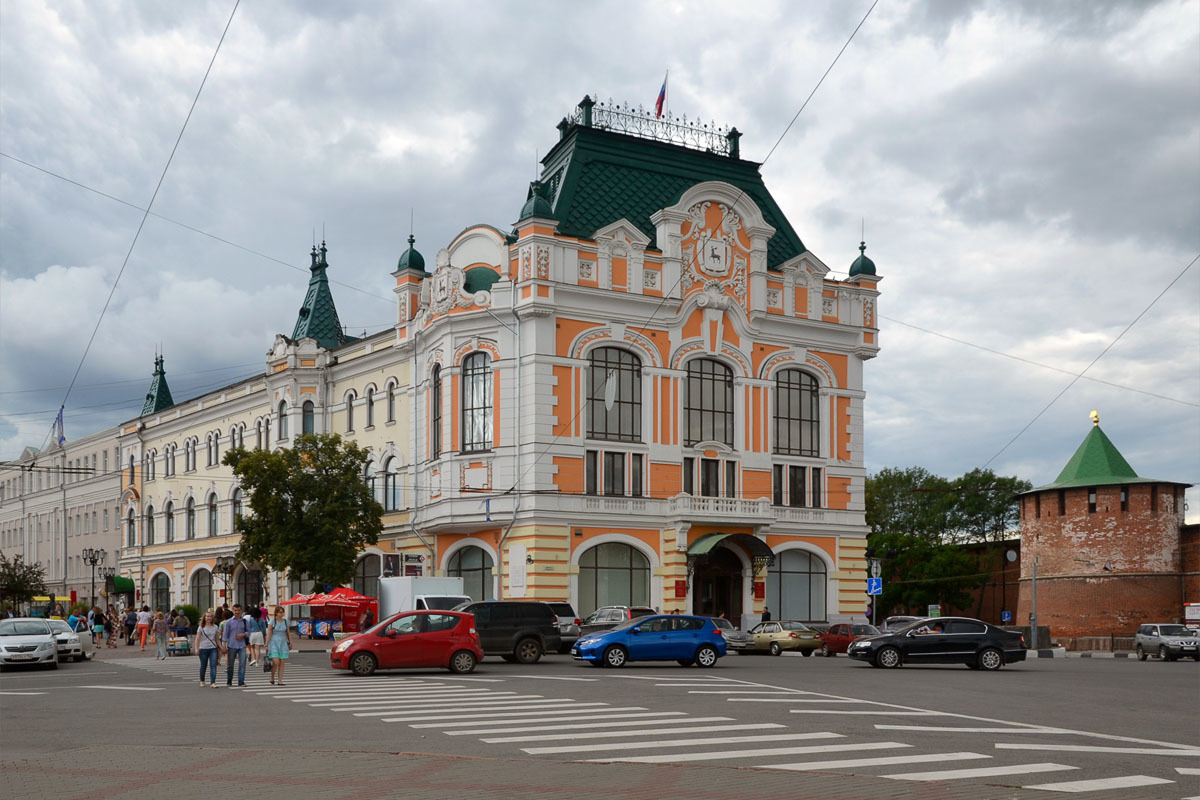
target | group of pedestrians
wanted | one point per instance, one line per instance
(239, 636)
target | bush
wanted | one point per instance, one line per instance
(191, 612)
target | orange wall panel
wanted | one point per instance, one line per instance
(569, 478)
(756, 483)
(843, 422)
(760, 352)
(837, 362)
(666, 480)
(566, 402)
(565, 331)
(837, 492)
(620, 273)
(691, 328)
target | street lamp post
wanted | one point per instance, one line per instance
(92, 557)
(105, 574)
(224, 567)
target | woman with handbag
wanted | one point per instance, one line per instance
(162, 632)
(207, 646)
(279, 644)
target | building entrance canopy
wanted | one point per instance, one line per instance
(760, 554)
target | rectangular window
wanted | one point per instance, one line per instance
(614, 473)
(1037, 505)
(477, 403)
(710, 477)
(731, 479)
(1153, 499)
(589, 467)
(1092, 500)
(1124, 498)
(615, 395)
(689, 476)
(635, 474)
(817, 489)
(105, 462)
(436, 402)
(796, 486)
(1062, 502)
(777, 484)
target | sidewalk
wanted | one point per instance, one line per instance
(299, 645)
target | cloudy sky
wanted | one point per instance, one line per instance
(1028, 172)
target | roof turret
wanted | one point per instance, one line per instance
(159, 396)
(318, 317)
(862, 265)
(411, 259)
(537, 205)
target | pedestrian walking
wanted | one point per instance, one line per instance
(162, 632)
(98, 620)
(144, 618)
(113, 625)
(766, 617)
(235, 644)
(208, 647)
(255, 625)
(279, 644)
(130, 624)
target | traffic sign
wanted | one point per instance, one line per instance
(874, 586)
(1006, 616)
(875, 568)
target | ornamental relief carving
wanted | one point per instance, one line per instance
(650, 278)
(587, 270)
(827, 307)
(774, 298)
(445, 290)
(869, 312)
(543, 262)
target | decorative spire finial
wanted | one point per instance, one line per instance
(1095, 415)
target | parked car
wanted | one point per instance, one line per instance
(568, 625)
(838, 637)
(1167, 641)
(605, 618)
(27, 640)
(444, 639)
(516, 630)
(734, 639)
(896, 623)
(664, 637)
(942, 640)
(71, 645)
(776, 636)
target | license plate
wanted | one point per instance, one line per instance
(575, 651)
(22, 657)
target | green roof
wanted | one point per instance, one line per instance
(479, 279)
(159, 396)
(594, 177)
(411, 259)
(1097, 462)
(862, 265)
(318, 317)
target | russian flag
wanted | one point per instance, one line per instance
(662, 98)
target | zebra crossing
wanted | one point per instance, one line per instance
(528, 715)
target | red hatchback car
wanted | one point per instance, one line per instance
(838, 637)
(444, 639)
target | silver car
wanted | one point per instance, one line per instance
(1167, 641)
(27, 640)
(568, 625)
(734, 639)
(72, 645)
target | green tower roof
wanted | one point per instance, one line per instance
(318, 318)
(537, 205)
(1097, 462)
(862, 265)
(159, 396)
(411, 259)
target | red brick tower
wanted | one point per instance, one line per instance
(1106, 544)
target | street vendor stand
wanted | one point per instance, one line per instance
(337, 611)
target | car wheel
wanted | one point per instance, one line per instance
(1141, 654)
(888, 658)
(991, 659)
(825, 651)
(806, 653)
(615, 656)
(528, 651)
(776, 650)
(706, 656)
(685, 662)
(462, 662)
(1162, 652)
(363, 664)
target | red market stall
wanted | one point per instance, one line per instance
(333, 612)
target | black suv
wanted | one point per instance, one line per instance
(518, 631)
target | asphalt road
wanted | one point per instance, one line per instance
(1130, 726)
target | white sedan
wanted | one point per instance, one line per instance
(72, 645)
(27, 640)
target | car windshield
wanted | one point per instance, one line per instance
(447, 603)
(1175, 630)
(722, 623)
(863, 630)
(58, 626)
(563, 609)
(796, 626)
(23, 627)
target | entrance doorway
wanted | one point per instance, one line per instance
(717, 585)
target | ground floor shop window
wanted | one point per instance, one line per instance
(612, 574)
(250, 588)
(796, 586)
(160, 593)
(366, 576)
(474, 566)
(201, 590)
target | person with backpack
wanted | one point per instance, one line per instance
(255, 628)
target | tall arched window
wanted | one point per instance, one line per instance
(160, 593)
(350, 398)
(130, 530)
(615, 395)
(131, 466)
(258, 434)
(796, 586)
(190, 519)
(474, 565)
(391, 484)
(391, 402)
(202, 590)
(435, 401)
(236, 510)
(477, 403)
(169, 521)
(283, 420)
(797, 413)
(148, 524)
(372, 480)
(212, 515)
(370, 408)
(613, 573)
(366, 575)
(249, 587)
(708, 402)
(307, 421)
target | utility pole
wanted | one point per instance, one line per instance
(1033, 618)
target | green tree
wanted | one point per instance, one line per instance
(20, 582)
(311, 510)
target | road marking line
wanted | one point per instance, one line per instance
(343, 697)
(428, 701)
(678, 718)
(768, 751)
(953, 729)
(385, 702)
(1187, 770)
(809, 766)
(977, 772)
(870, 713)
(24, 694)
(1100, 784)
(547, 705)
(681, 683)
(554, 737)
(674, 681)
(590, 748)
(1088, 748)
(790, 699)
(124, 688)
(728, 691)
(476, 719)
(553, 678)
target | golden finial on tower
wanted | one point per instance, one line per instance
(1095, 415)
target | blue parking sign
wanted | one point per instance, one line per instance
(1006, 616)
(874, 586)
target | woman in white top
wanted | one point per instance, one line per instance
(208, 638)
(144, 618)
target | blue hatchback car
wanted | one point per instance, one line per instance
(667, 637)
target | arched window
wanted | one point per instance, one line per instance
(477, 403)
(474, 565)
(391, 484)
(708, 402)
(169, 521)
(130, 530)
(350, 398)
(370, 408)
(235, 510)
(307, 423)
(258, 434)
(160, 593)
(372, 480)
(797, 413)
(169, 460)
(615, 395)
(796, 586)
(391, 402)
(190, 519)
(613, 573)
(366, 575)
(148, 524)
(202, 590)
(131, 465)
(435, 401)
(283, 420)
(249, 587)
(212, 515)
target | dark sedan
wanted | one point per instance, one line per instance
(942, 640)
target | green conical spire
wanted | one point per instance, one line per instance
(159, 396)
(318, 318)
(1097, 462)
